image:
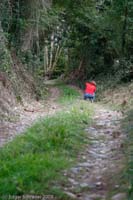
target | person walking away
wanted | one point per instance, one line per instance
(90, 89)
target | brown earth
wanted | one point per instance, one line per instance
(28, 113)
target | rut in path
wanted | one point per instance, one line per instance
(97, 172)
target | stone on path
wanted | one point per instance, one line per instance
(120, 196)
(94, 197)
(71, 195)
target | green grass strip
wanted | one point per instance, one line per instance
(129, 129)
(68, 94)
(32, 162)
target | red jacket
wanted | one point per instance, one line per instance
(90, 88)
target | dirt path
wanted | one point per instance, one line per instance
(29, 114)
(97, 173)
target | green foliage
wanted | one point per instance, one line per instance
(129, 130)
(49, 19)
(99, 35)
(94, 33)
(32, 163)
(5, 58)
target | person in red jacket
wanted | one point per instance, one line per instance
(90, 90)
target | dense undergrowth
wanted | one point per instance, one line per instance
(32, 163)
(128, 126)
(116, 95)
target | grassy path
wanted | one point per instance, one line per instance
(66, 154)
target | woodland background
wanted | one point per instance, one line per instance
(73, 41)
(81, 39)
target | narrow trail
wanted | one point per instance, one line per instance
(29, 114)
(98, 170)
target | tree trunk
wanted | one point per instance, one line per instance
(51, 51)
